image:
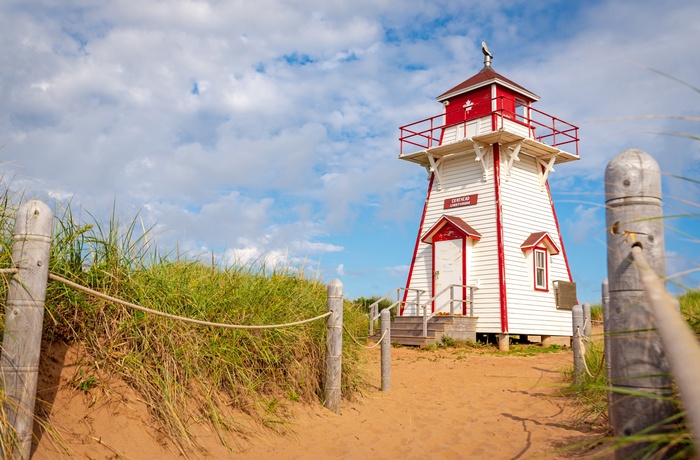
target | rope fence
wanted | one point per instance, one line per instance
(368, 347)
(26, 297)
(176, 317)
(582, 350)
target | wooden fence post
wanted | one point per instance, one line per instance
(577, 332)
(637, 359)
(604, 294)
(24, 315)
(605, 301)
(386, 349)
(334, 345)
(586, 320)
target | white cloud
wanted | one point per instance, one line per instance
(585, 224)
(272, 126)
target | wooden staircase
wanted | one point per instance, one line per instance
(408, 330)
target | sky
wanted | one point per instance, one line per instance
(267, 131)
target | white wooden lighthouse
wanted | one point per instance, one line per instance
(489, 244)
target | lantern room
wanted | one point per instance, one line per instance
(484, 110)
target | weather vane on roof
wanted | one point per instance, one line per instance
(487, 54)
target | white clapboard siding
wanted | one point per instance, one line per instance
(463, 175)
(473, 128)
(527, 209)
(517, 128)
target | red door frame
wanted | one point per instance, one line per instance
(446, 233)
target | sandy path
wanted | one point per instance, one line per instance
(445, 404)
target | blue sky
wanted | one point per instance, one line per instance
(267, 130)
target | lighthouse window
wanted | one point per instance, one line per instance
(521, 110)
(540, 269)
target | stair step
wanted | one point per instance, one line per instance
(413, 340)
(411, 333)
(417, 327)
(408, 330)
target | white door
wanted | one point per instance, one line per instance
(449, 269)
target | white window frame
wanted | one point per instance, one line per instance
(540, 268)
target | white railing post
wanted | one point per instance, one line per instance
(471, 301)
(638, 363)
(334, 345)
(24, 316)
(425, 321)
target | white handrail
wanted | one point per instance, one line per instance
(374, 307)
(438, 309)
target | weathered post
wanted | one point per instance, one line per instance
(24, 315)
(577, 331)
(637, 359)
(386, 349)
(334, 345)
(605, 294)
(679, 339)
(605, 301)
(586, 320)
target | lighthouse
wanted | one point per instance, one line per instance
(489, 246)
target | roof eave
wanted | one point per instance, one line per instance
(491, 81)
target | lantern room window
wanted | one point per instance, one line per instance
(521, 110)
(541, 272)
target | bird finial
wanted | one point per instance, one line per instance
(487, 54)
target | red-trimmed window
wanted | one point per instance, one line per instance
(541, 272)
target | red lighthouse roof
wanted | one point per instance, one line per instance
(486, 77)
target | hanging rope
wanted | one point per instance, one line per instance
(175, 317)
(582, 346)
(369, 347)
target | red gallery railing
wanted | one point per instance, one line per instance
(542, 127)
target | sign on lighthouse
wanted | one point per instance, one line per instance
(488, 240)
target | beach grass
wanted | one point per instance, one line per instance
(184, 372)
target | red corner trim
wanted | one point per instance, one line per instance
(499, 240)
(415, 248)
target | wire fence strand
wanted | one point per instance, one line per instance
(176, 317)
